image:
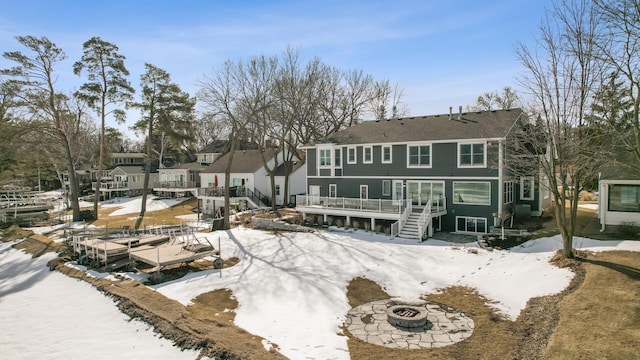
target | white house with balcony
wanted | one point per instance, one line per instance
(124, 180)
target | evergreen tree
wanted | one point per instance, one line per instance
(165, 108)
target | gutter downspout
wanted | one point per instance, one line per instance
(500, 181)
(602, 194)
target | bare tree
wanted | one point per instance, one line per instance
(492, 100)
(620, 48)
(561, 79)
(36, 75)
(209, 128)
(386, 101)
(222, 96)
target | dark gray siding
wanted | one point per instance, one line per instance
(444, 162)
(311, 162)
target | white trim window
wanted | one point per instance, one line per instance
(352, 155)
(419, 156)
(386, 187)
(526, 188)
(472, 192)
(337, 157)
(324, 157)
(473, 225)
(367, 154)
(472, 155)
(364, 192)
(623, 198)
(386, 154)
(333, 190)
(508, 192)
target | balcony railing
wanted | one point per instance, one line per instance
(237, 191)
(111, 185)
(354, 204)
(176, 184)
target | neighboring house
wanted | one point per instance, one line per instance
(249, 183)
(125, 180)
(619, 200)
(216, 148)
(296, 180)
(126, 158)
(211, 152)
(179, 180)
(411, 176)
(84, 177)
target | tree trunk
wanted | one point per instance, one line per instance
(565, 231)
(96, 198)
(73, 180)
(147, 175)
(227, 180)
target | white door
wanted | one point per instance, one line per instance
(397, 195)
(314, 194)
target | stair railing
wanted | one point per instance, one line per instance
(424, 220)
(396, 227)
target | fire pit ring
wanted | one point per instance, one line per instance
(407, 316)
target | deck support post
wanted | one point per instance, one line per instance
(348, 221)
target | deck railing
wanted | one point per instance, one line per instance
(355, 204)
(111, 185)
(176, 184)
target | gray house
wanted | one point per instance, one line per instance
(411, 176)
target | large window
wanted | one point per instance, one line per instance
(351, 155)
(526, 188)
(367, 154)
(386, 154)
(337, 155)
(419, 156)
(471, 155)
(420, 192)
(325, 157)
(624, 197)
(471, 224)
(472, 193)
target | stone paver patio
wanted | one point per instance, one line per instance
(445, 326)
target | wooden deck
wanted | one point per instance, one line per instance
(168, 254)
(105, 249)
(155, 250)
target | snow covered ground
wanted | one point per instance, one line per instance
(47, 315)
(291, 290)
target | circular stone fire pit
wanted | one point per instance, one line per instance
(407, 316)
(400, 325)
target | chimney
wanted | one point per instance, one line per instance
(450, 112)
(460, 113)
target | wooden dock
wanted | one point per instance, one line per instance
(102, 251)
(169, 254)
(153, 249)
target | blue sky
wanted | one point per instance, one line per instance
(443, 53)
